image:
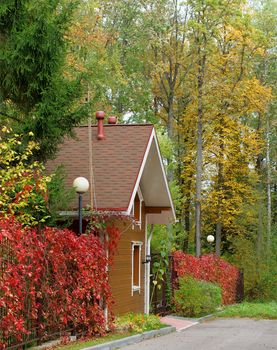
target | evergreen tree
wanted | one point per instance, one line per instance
(37, 91)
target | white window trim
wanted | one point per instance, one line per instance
(135, 288)
(138, 222)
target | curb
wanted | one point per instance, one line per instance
(132, 339)
(205, 318)
(46, 345)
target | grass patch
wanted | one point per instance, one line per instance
(78, 345)
(125, 326)
(257, 310)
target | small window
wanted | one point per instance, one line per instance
(137, 208)
(136, 266)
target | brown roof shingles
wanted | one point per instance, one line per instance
(116, 162)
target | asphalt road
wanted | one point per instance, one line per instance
(227, 334)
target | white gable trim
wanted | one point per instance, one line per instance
(140, 172)
(164, 176)
(136, 187)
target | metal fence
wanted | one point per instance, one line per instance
(35, 335)
(162, 292)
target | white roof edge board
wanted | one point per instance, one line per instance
(140, 172)
(136, 187)
(164, 176)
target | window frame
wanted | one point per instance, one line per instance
(134, 287)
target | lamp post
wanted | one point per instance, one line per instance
(210, 239)
(81, 186)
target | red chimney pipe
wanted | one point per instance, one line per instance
(112, 119)
(100, 115)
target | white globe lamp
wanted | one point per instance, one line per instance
(81, 184)
(210, 239)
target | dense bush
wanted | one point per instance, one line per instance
(51, 280)
(210, 268)
(260, 272)
(265, 288)
(196, 298)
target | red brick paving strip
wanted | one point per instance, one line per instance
(179, 324)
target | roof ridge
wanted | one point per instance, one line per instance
(111, 125)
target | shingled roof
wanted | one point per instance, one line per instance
(119, 161)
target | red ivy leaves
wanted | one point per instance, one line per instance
(51, 279)
(209, 268)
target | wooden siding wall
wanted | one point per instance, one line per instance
(121, 271)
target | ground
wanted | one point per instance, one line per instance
(227, 334)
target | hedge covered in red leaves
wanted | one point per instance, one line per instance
(50, 279)
(209, 268)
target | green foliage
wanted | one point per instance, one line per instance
(23, 188)
(108, 47)
(196, 298)
(265, 288)
(137, 322)
(160, 262)
(25, 192)
(244, 257)
(260, 282)
(36, 92)
(59, 197)
(251, 310)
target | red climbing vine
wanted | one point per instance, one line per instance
(52, 279)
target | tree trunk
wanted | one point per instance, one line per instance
(260, 204)
(260, 225)
(218, 229)
(199, 164)
(169, 127)
(186, 227)
(201, 42)
(268, 185)
(170, 116)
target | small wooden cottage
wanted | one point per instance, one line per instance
(124, 167)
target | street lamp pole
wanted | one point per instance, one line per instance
(80, 213)
(210, 240)
(81, 186)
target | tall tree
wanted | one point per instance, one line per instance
(264, 20)
(36, 93)
(224, 93)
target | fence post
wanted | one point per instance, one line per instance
(240, 287)
(173, 275)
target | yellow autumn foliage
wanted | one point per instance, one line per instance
(23, 188)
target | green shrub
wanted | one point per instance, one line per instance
(196, 298)
(265, 289)
(260, 282)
